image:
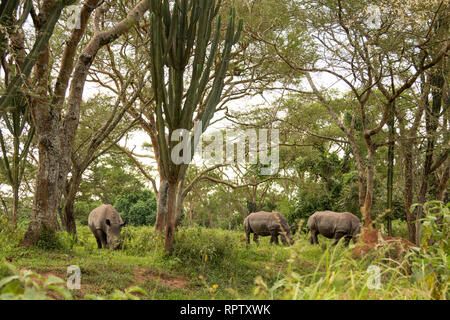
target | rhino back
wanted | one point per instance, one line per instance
(329, 222)
(263, 222)
(97, 217)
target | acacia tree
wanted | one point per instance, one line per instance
(56, 122)
(89, 148)
(16, 64)
(365, 58)
(189, 26)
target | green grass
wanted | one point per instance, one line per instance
(216, 264)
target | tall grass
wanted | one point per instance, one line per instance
(218, 264)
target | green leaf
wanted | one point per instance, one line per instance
(7, 280)
(63, 291)
(51, 280)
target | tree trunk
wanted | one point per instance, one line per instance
(161, 208)
(390, 173)
(409, 193)
(179, 205)
(69, 216)
(47, 193)
(210, 218)
(431, 120)
(442, 188)
(367, 217)
(15, 205)
(171, 214)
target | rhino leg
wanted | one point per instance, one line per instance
(283, 239)
(255, 238)
(247, 233)
(337, 237)
(313, 238)
(274, 239)
(99, 243)
(347, 240)
(100, 236)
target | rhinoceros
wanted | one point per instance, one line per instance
(106, 224)
(333, 225)
(267, 224)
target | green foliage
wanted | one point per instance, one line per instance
(137, 208)
(131, 293)
(336, 275)
(323, 188)
(200, 247)
(109, 177)
(50, 240)
(306, 204)
(140, 241)
(217, 264)
(82, 209)
(9, 234)
(430, 263)
(28, 285)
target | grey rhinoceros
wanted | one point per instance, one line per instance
(264, 223)
(333, 225)
(106, 224)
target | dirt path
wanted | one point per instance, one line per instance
(143, 274)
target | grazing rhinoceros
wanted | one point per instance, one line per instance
(333, 225)
(106, 223)
(267, 224)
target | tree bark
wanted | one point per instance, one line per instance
(431, 120)
(69, 217)
(409, 192)
(15, 205)
(55, 136)
(171, 214)
(161, 208)
(367, 217)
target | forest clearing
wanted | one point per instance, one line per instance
(224, 150)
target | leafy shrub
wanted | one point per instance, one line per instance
(9, 234)
(50, 239)
(305, 205)
(82, 210)
(430, 262)
(137, 208)
(131, 293)
(140, 241)
(27, 285)
(201, 246)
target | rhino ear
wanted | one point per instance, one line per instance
(123, 224)
(108, 223)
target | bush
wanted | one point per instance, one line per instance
(82, 209)
(141, 213)
(137, 208)
(201, 246)
(10, 235)
(27, 285)
(50, 239)
(140, 241)
(430, 262)
(305, 205)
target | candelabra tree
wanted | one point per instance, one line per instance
(185, 39)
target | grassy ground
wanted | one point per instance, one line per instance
(216, 264)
